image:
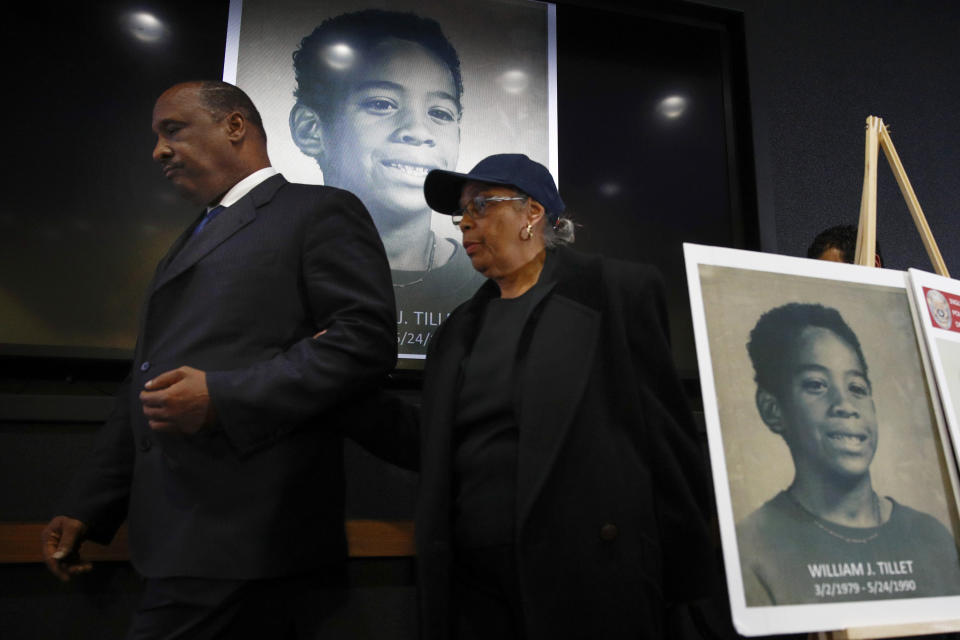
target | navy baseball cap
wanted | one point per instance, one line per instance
(443, 188)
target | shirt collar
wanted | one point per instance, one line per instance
(244, 187)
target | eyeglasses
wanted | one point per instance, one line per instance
(477, 207)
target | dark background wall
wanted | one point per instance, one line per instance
(817, 69)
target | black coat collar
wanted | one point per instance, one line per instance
(576, 276)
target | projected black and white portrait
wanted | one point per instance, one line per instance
(370, 97)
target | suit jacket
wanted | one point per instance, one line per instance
(260, 494)
(612, 494)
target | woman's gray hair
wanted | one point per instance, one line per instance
(555, 234)
(559, 233)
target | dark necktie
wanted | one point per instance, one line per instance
(210, 215)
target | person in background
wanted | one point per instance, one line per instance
(272, 310)
(839, 244)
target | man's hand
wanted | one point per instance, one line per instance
(178, 401)
(60, 542)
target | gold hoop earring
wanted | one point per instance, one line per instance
(528, 230)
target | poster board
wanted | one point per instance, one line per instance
(506, 51)
(790, 567)
(938, 317)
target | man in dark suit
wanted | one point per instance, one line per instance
(270, 311)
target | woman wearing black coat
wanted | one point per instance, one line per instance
(562, 490)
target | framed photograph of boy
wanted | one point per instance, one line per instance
(835, 481)
(370, 95)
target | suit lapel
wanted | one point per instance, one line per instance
(188, 250)
(177, 246)
(234, 218)
(445, 369)
(563, 338)
(441, 391)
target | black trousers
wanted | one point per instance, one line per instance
(486, 594)
(207, 609)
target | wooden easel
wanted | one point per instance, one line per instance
(878, 136)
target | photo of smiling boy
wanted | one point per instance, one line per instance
(378, 107)
(370, 96)
(829, 537)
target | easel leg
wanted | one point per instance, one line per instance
(867, 232)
